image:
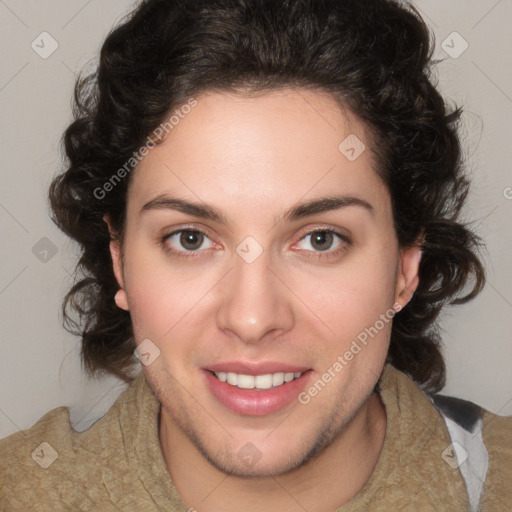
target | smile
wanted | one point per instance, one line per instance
(267, 381)
(264, 392)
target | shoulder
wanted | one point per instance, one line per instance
(26, 458)
(497, 436)
(42, 461)
(497, 433)
(18, 452)
(481, 441)
(485, 439)
(496, 430)
(66, 467)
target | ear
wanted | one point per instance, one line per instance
(407, 279)
(117, 265)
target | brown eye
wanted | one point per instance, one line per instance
(321, 240)
(324, 243)
(187, 241)
(191, 240)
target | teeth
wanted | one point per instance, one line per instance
(277, 379)
(245, 381)
(262, 381)
(267, 381)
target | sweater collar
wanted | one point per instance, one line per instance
(411, 473)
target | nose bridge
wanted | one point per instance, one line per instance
(254, 302)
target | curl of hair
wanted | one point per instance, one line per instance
(373, 56)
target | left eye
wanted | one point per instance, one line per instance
(190, 240)
(322, 240)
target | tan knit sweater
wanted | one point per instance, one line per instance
(117, 464)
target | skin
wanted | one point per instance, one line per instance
(253, 158)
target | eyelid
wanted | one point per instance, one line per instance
(339, 231)
(177, 229)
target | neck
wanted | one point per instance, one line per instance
(336, 474)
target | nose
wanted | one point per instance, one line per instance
(255, 305)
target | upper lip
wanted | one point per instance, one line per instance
(255, 368)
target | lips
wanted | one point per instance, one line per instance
(256, 389)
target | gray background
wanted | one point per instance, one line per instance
(39, 367)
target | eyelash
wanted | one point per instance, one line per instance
(345, 243)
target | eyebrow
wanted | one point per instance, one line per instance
(297, 212)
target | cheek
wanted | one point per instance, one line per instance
(155, 300)
(157, 306)
(353, 297)
(166, 302)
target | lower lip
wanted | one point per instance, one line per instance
(254, 402)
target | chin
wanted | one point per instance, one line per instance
(265, 458)
(258, 465)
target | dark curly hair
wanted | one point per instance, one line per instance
(372, 56)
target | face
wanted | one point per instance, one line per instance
(261, 266)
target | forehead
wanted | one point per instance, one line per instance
(273, 148)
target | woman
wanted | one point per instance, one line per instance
(266, 195)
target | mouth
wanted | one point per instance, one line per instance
(252, 391)
(259, 382)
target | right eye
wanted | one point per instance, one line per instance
(183, 241)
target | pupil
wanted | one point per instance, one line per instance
(191, 239)
(321, 237)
